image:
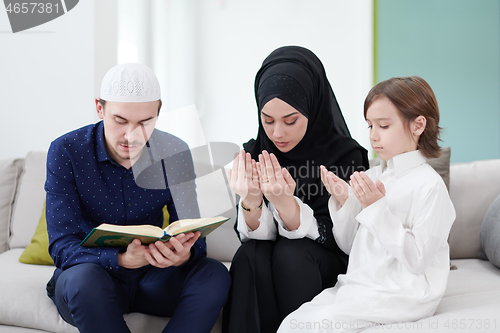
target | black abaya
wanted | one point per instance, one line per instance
(273, 278)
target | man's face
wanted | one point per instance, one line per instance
(127, 128)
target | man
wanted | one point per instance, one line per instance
(123, 171)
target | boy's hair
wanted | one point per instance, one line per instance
(413, 97)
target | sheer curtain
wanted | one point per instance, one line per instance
(160, 34)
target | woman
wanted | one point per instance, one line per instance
(288, 254)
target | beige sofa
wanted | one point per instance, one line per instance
(471, 302)
(24, 305)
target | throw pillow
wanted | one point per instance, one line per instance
(37, 252)
(166, 217)
(490, 234)
(442, 165)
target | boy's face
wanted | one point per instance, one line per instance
(127, 128)
(388, 135)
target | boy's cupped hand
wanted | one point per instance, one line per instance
(365, 189)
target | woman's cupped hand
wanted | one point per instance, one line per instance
(276, 183)
(244, 179)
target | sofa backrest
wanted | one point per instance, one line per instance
(473, 187)
(27, 202)
(216, 198)
(10, 172)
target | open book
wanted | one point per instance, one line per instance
(122, 235)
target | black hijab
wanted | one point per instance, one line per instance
(296, 76)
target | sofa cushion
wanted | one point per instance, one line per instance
(490, 233)
(29, 200)
(442, 165)
(24, 301)
(470, 303)
(10, 170)
(473, 187)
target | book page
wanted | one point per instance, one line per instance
(186, 225)
(145, 230)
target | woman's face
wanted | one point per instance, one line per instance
(284, 125)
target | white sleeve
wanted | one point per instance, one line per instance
(308, 225)
(414, 246)
(344, 221)
(265, 231)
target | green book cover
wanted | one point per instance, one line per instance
(122, 235)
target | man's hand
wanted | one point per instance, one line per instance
(134, 257)
(175, 252)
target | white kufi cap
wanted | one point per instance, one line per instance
(130, 83)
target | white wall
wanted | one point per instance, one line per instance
(206, 54)
(234, 36)
(48, 73)
(51, 74)
(105, 41)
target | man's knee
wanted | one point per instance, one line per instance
(80, 286)
(83, 279)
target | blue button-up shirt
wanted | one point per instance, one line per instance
(86, 187)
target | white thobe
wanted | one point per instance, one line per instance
(398, 253)
(267, 229)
